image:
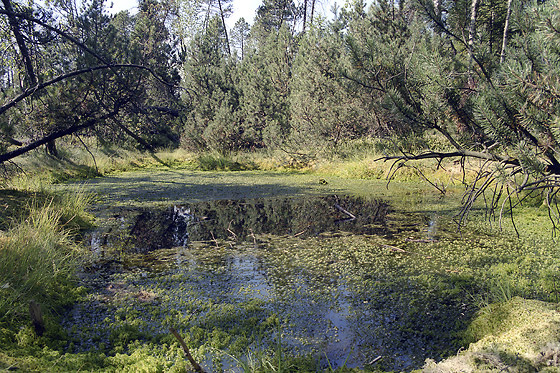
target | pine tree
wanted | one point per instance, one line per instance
(214, 100)
(264, 81)
(326, 108)
(88, 73)
(240, 35)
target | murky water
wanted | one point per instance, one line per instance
(321, 276)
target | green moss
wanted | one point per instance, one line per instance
(519, 325)
(519, 334)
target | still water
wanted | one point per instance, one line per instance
(346, 281)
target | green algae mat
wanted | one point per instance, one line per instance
(262, 269)
(168, 187)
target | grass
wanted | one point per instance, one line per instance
(39, 253)
(355, 159)
(39, 234)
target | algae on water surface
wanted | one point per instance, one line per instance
(240, 274)
(149, 188)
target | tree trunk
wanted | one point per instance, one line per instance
(224, 25)
(51, 149)
(472, 26)
(312, 11)
(506, 26)
(15, 27)
(492, 22)
(304, 14)
(437, 9)
(208, 11)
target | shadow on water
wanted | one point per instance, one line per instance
(322, 274)
(237, 220)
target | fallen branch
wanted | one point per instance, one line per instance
(55, 135)
(214, 240)
(195, 365)
(459, 153)
(254, 238)
(339, 208)
(375, 360)
(300, 233)
(32, 90)
(395, 249)
(231, 232)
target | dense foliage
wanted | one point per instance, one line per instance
(478, 76)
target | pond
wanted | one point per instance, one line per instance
(340, 279)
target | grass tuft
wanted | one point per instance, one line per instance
(39, 252)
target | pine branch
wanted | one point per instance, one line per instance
(56, 135)
(32, 90)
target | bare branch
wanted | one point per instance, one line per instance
(458, 153)
(55, 135)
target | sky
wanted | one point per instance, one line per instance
(241, 8)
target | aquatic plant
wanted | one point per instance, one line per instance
(401, 283)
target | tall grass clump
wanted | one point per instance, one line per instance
(38, 258)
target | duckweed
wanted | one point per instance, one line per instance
(404, 286)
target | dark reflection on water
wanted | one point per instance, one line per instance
(221, 264)
(153, 229)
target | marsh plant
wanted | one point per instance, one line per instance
(40, 256)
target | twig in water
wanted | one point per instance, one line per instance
(231, 232)
(214, 240)
(395, 249)
(339, 208)
(195, 365)
(375, 360)
(254, 238)
(300, 233)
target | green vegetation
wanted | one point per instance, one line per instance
(455, 102)
(480, 268)
(422, 79)
(515, 334)
(40, 257)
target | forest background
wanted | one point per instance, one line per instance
(424, 79)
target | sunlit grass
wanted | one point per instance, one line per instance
(39, 259)
(357, 159)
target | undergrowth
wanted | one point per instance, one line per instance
(357, 159)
